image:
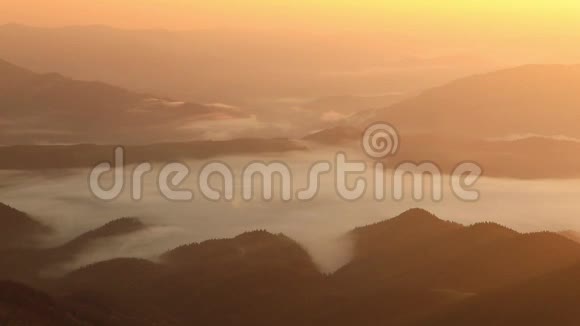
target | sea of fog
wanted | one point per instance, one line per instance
(62, 199)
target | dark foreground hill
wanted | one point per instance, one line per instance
(21, 305)
(414, 269)
(18, 229)
(29, 263)
(550, 299)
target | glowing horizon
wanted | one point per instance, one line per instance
(423, 15)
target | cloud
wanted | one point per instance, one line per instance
(63, 201)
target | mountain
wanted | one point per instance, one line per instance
(256, 278)
(507, 262)
(548, 299)
(18, 229)
(532, 99)
(247, 253)
(512, 122)
(27, 264)
(403, 232)
(520, 102)
(405, 270)
(118, 227)
(412, 269)
(33, 157)
(417, 256)
(524, 158)
(233, 66)
(21, 305)
(51, 108)
(417, 249)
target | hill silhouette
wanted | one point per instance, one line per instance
(27, 264)
(18, 229)
(416, 255)
(548, 299)
(226, 281)
(21, 305)
(117, 227)
(413, 269)
(470, 259)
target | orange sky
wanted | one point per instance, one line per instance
(495, 15)
(526, 26)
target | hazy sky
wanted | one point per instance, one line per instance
(476, 15)
(351, 36)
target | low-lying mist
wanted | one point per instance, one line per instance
(63, 201)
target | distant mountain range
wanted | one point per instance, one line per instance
(541, 100)
(511, 122)
(53, 109)
(414, 269)
(532, 157)
(518, 122)
(233, 66)
(530, 100)
(32, 157)
(533, 99)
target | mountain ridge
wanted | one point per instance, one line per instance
(51, 108)
(414, 267)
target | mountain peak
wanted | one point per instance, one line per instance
(409, 220)
(117, 227)
(417, 214)
(258, 236)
